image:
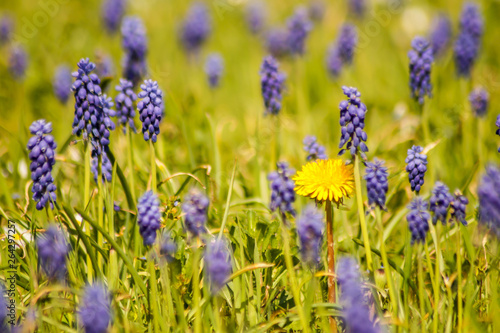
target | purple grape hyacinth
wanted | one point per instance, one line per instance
(214, 66)
(421, 60)
(148, 217)
(255, 16)
(458, 207)
(418, 220)
(346, 42)
(497, 124)
(352, 121)
(357, 7)
(376, 183)
(218, 264)
(479, 99)
(134, 43)
(276, 42)
(271, 82)
(314, 149)
(42, 155)
(298, 29)
(282, 185)
(489, 199)
(3, 309)
(469, 40)
(439, 202)
(18, 62)
(112, 14)
(106, 168)
(150, 109)
(62, 83)
(125, 100)
(6, 27)
(416, 166)
(52, 253)
(440, 35)
(95, 309)
(310, 228)
(334, 61)
(355, 310)
(195, 206)
(196, 28)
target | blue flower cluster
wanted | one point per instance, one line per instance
(489, 199)
(134, 42)
(271, 82)
(341, 52)
(469, 40)
(95, 309)
(61, 83)
(106, 167)
(357, 7)
(6, 27)
(313, 149)
(42, 155)
(479, 99)
(282, 185)
(440, 35)
(148, 217)
(255, 16)
(150, 109)
(352, 120)
(355, 310)
(214, 66)
(52, 253)
(421, 60)
(416, 166)
(218, 264)
(310, 228)
(497, 124)
(277, 42)
(439, 202)
(458, 207)
(376, 183)
(196, 28)
(18, 62)
(125, 111)
(418, 220)
(195, 207)
(298, 28)
(112, 13)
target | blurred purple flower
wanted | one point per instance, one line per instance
(62, 82)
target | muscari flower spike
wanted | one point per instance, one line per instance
(416, 166)
(346, 43)
(469, 40)
(334, 61)
(489, 199)
(418, 220)
(479, 99)
(214, 66)
(276, 42)
(134, 43)
(355, 310)
(357, 7)
(61, 83)
(421, 60)
(298, 29)
(352, 120)
(106, 168)
(497, 123)
(6, 27)
(195, 206)
(196, 28)
(112, 13)
(282, 187)
(150, 109)
(18, 62)
(439, 202)
(218, 264)
(313, 149)
(376, 183)
(440, 35)
(148, 217)
(42, 155)
(95, 309)
(271, 82)
(255, 16)
(52, 253)
(310, 228)
(125, 100)
(458, 207)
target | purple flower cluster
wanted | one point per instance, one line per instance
(168, 247)
(298, 28)
(276, 42)
(334, 61)
(62, 83)
(52, 252)
(439, 202)
(42, 155)
(469, 40)
(18, 62)
(357, 7)
(479, 99)
(271, 82)
(195, 207)
(497, 124)
(255, 16)
(314, 149)
(150, 109)
(416, 166)
(134, 42)
(341, 52)
(440, 35)
(214, 66)
(282, 185)
(3, 309)
(310, 228)
(148, 217)
(352, 120)
(6, 27)
(125, 111)
(106, 167)
(218, 264)
(112, 13)
(95, 309)
(195, 28)
(458, 207)
(418, 220)
(489, 199)
(376, 183)
(421, 60)
(355, 310)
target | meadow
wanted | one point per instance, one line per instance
(172, 183)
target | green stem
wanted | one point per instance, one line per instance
(196, 291)
(407, 273)
(130, 159)
(459, 281)
(361, 213)
(480, 152)
(437, 279)
(165, 276)
(228, 202)
(425, 122)
(153, 294)
(421, 292)
(153, 166)
(331, 260)
(86, 199)
(100, 209)
(429, 263)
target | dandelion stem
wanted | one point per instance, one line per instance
(331, 260)
(153, 166)
(361, 213)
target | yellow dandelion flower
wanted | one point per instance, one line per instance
(325, 180)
